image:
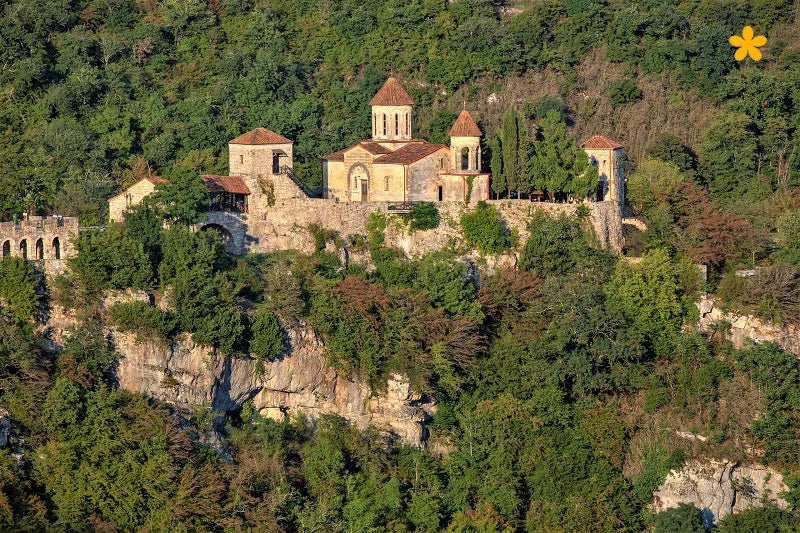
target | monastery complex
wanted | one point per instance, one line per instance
(258, 207)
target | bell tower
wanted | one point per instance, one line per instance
(391, 112)
(465, 145)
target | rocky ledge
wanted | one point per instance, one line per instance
(719, 488)
(189, 375)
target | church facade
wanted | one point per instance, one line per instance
(395, 167)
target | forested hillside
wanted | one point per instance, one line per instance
(566, 386)
(96, 93)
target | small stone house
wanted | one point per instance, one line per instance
(131, 196)
(393, 166)
(606, 155)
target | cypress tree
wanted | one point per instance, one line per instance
(496, 165)
(510, 140)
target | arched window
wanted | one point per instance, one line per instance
(396, 124)
(386, 183)
(56, 248)
(6, 249)
(39, 249)
(374, 124)
(23, 248)
(384, 123)
(477, 159)
(465, 159)
(408, 128)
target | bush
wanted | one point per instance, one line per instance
(146, 321)
(110, 259)
(423, 215)
(624, 92)
(758, 520)
(554, 245)
(484, 229)
(18, 296)
(267, 341)
(681, 519)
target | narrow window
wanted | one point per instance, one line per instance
(408, 129)
(39, 249)
(276, 163)
(465, 159)
(477, 155)
(56, 248)
(386, 183)
(241, 159)
(374, 124)
(441, 193)
(23, 249)
(396, 125)
(384, 124)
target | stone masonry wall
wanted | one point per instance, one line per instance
(285, 226)
(44, 239)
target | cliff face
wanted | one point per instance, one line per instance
(719, 488)
(743, 327)
(187, 375)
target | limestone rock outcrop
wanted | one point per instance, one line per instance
(299, 382)
(743, 327)
(719, 488)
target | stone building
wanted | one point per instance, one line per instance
(393, 166)
(131, 196)
(260, 164)
(606, 155)
(45, 239)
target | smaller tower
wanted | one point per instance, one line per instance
(465, 145)
(606, 155)
(391, 112)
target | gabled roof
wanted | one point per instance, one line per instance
(335, 156)
(155, 180)
(260, 136)
(409, 153)
(464, 126)
(598, 142)
(232, 184)
(371, 147)
(392, 93)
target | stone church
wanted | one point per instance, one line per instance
(393, 166)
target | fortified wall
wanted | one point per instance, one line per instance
(285, 225)
(45, 239)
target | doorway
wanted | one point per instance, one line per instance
(364, 192)
(441, 193)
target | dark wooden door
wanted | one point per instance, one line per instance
(364, 192)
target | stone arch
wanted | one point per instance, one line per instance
(464, 158)
(6, 248)
(23, 248)
(38, 248)
(224, 235)
(56, 248)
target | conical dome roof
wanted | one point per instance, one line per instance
(392, 93)
(464, 126)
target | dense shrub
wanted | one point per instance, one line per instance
(423, 215)
(484, 229)
(143, 319)
(109, 259)
(624, 92)
(681, 519)
(555, 245)
(267, 336)
(18, 297)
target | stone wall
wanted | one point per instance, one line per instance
(47, 240)
(285, 225)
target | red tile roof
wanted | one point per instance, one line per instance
(335, 156)
(464, 126)
(373, 148)
(392, 93)
(232, 184)
(409, 153)
(598, 142)
(260, 136)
